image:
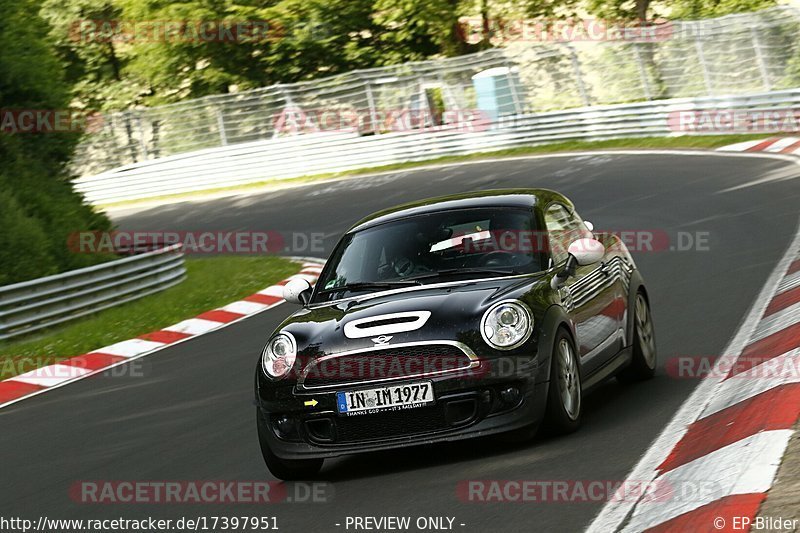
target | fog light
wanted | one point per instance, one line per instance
(510, 396)
(285, 425)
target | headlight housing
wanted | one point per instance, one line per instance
(279, 355)
(507, 324)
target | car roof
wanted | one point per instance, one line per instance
(525, 198)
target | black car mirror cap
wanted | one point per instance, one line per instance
(569, 270)
(297, 291)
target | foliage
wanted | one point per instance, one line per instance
(414, 30)
(695, 9)
(305, 39)
(23, 243)
(38, 208)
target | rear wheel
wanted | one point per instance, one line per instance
(285, 469)
(564, 397)
(643, 365)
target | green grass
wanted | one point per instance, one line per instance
(697, 142)
(211, 282)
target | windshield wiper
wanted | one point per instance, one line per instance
(415, 280)
(370, 285)
(457, 271)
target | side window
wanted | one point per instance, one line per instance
(563, 227)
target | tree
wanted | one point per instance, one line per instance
(304, 39)
(622, 10)
(418, 29)
(321, 37)
(40, 208)
(695, 9)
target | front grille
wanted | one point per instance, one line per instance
(365, 428)
(448, 414)
(385, 364)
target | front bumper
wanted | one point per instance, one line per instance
(304, 425)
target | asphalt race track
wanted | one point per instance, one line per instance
(189, 416)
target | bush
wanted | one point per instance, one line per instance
(24, 247)
(38, 207)
(45, 195)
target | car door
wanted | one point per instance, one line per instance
(591, 296)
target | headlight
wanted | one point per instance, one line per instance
(507, 324)
(279, 355)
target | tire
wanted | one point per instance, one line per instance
(645, 357)
(285, 469)
(564, 395)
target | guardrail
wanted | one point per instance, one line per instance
(321, 153)
(735, 54)
(40, 303)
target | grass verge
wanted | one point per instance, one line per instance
(699, 142)
(211, 282)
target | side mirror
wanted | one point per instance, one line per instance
(297, 291)
(587, 251)
(588, 225)
(581, 252)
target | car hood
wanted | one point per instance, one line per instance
(454, 311)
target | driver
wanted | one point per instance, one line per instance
(411, 256)
(511, 238)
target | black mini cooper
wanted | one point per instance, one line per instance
(447, 319)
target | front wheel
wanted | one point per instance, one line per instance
(643, 365)
(285, 469)
(564, 396)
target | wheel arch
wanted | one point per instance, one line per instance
(635, 287)
(555, 318)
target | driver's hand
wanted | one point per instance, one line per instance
(403, 266)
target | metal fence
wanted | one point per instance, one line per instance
(33, 305)
(320, 153)
(736, 54)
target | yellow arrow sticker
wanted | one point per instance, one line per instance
(311, 403)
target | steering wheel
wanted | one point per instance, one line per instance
(497, 258)
(403, 266)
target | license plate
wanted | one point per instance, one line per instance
(393, 398)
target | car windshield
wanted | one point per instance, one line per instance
(445, 246)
